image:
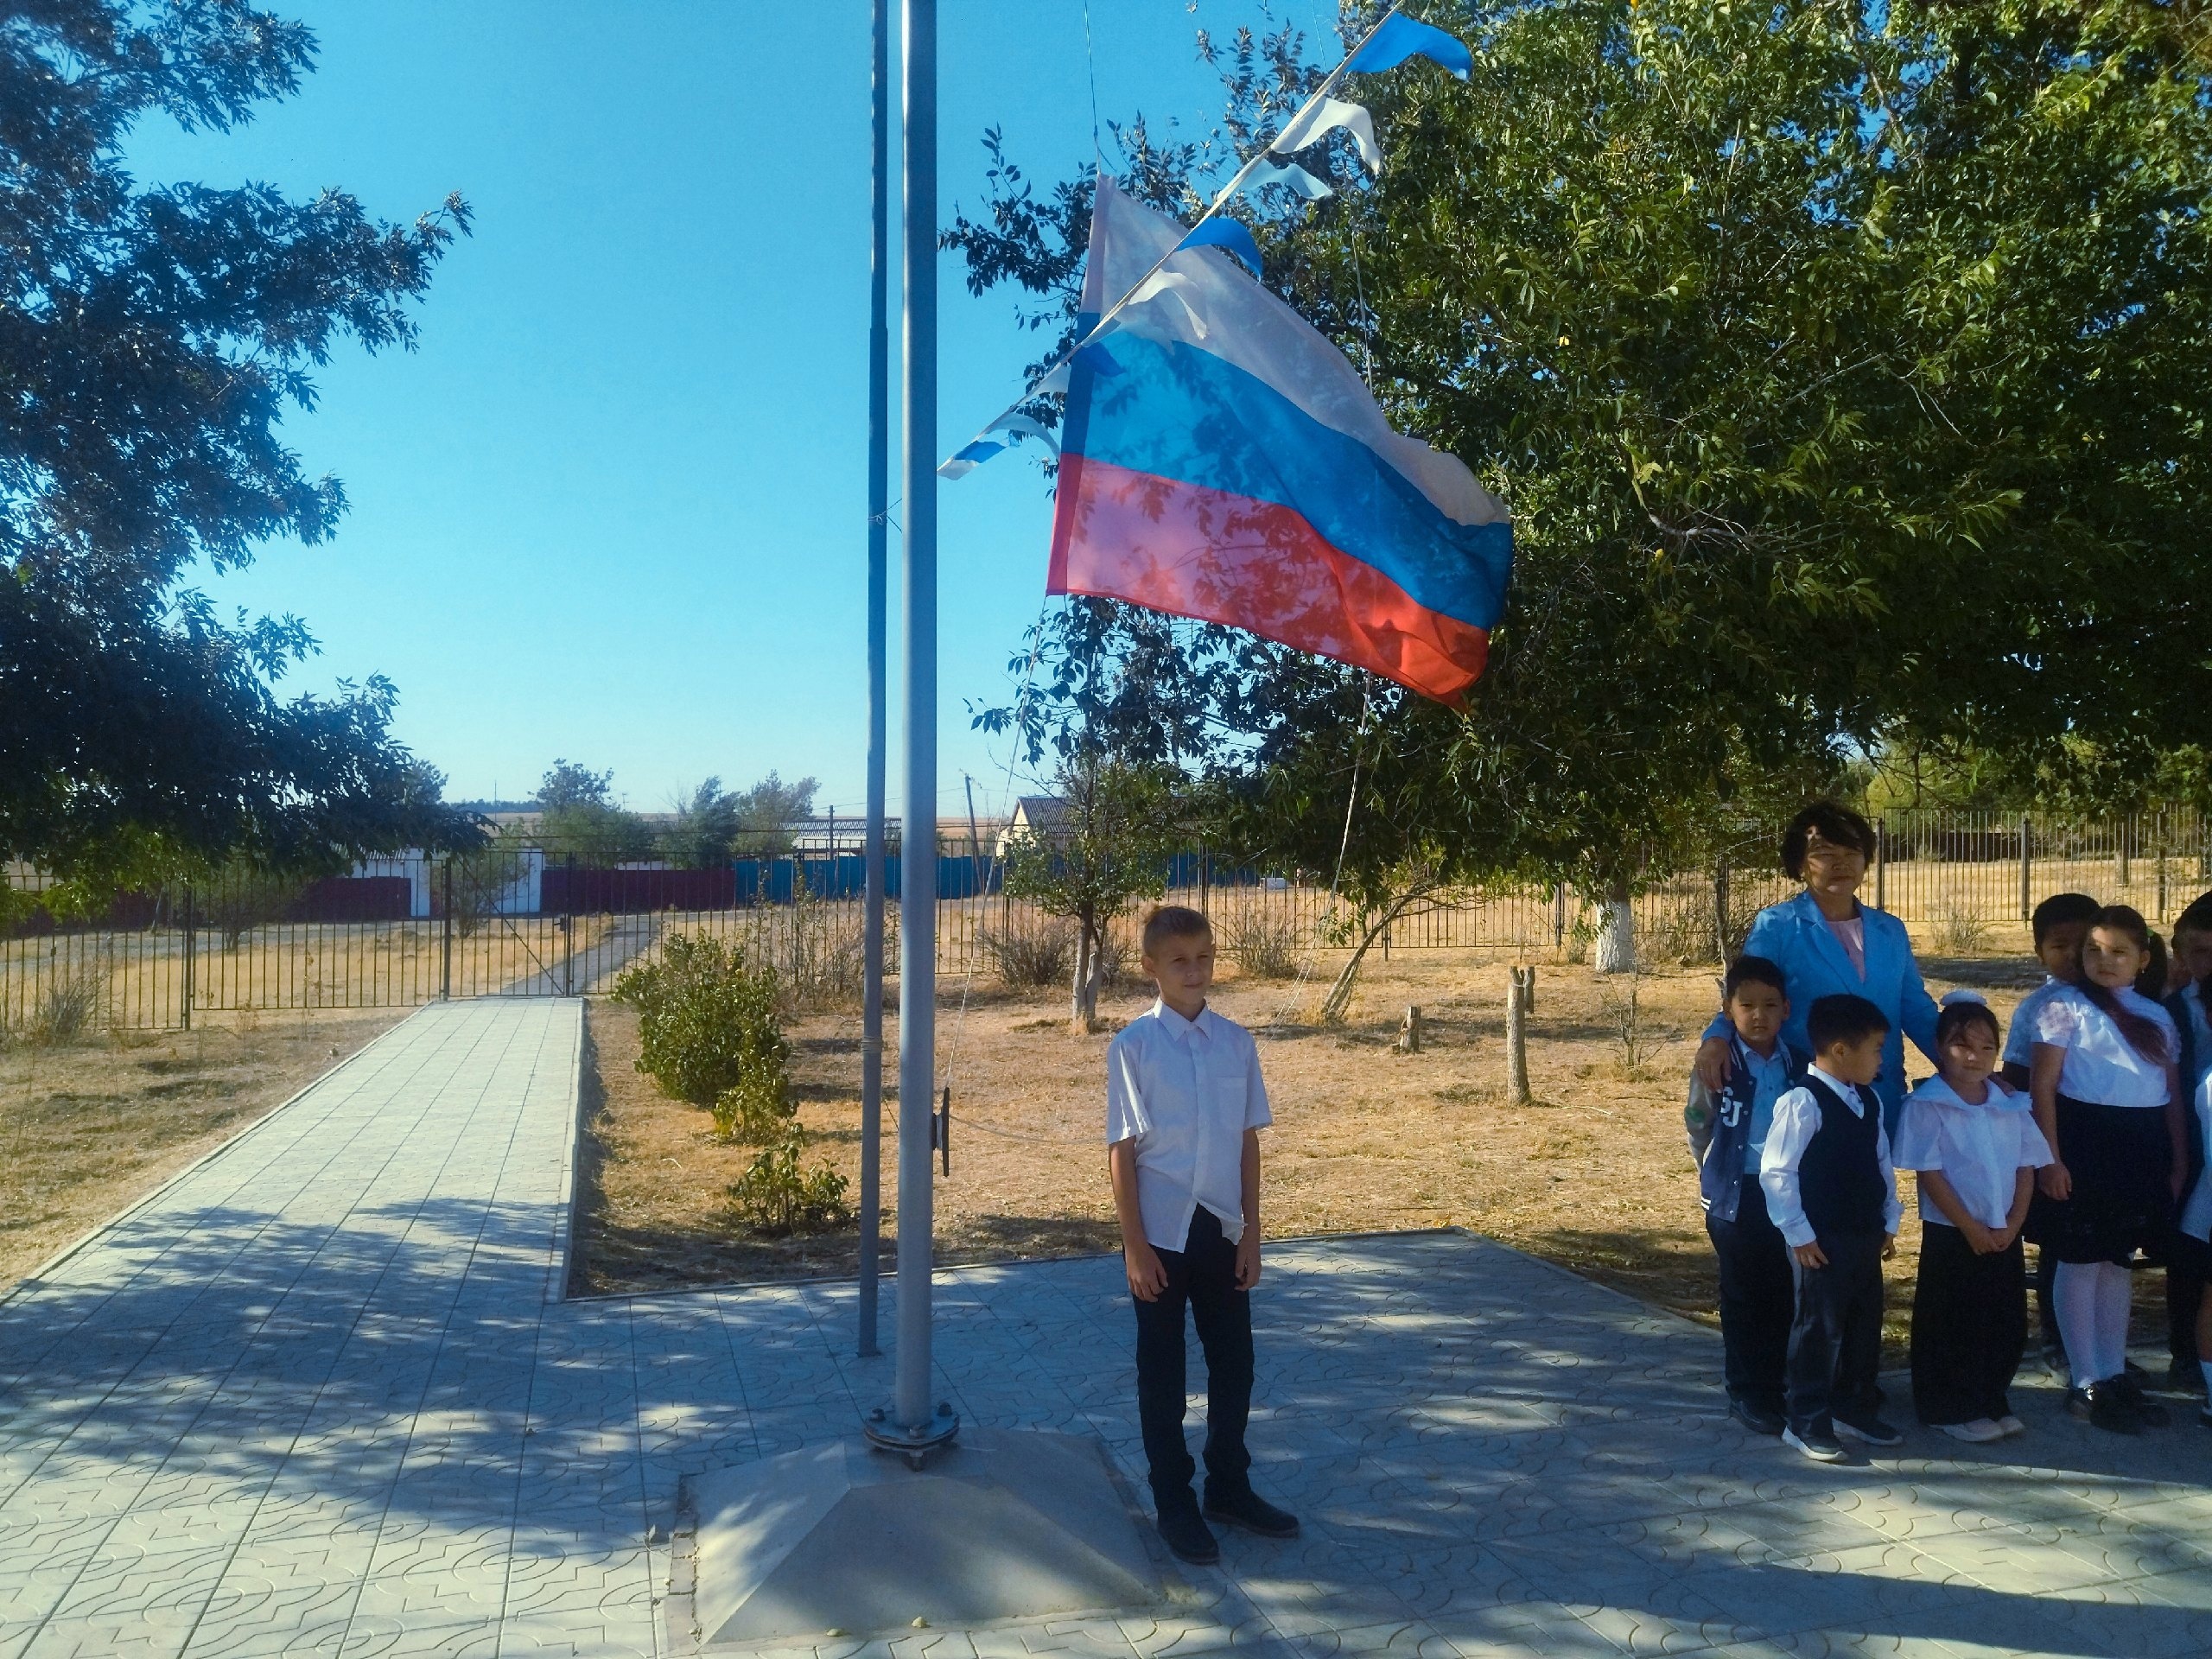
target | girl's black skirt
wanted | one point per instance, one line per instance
(2120, 1158)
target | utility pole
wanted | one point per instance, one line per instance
(879, 581)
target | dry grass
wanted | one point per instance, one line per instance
(86, 1127)
(1595, 1176)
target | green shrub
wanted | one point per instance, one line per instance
(707, 1023)
(775, 1197)
(757, 1108)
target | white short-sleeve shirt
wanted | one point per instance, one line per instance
(1979, 1149)
(2101, 1065)
(2021, 1032)
(1185, 1090)
(2196, 1213)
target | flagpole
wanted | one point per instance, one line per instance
(914, 1425)
(878, 512)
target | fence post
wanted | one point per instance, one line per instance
(445, 947)
(189, 933)
(569, 930)
(1559, 915)
(1881, 862)
(2123, 837)
(2027, 873)
(1720, 910)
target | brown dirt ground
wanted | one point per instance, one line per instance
(87, 1128)
(1595, 1176)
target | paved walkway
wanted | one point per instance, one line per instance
(315, 1398)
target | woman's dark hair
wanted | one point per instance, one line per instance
(1835, 822)
(2145, 1035)
(1956, 1015)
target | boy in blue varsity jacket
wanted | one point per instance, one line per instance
(1831, 1189)
(1728, 1130)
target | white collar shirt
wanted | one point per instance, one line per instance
(1797, 1120)
(1185, 1090)
(1979, 1149)
(2102, 1066)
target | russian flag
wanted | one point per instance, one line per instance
(1221, 460)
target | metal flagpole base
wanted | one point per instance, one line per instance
(834, 1540)
(913, 1443)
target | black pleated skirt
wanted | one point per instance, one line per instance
(2120, 1158)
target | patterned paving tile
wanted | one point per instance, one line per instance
(319, 1400)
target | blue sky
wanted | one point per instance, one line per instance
(613, 508)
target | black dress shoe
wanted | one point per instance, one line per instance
(1185, 1533)
(1757, 1419)
(1252, 1512)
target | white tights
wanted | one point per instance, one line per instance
(2092, 1299)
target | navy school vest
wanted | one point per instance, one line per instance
(1840, 1178)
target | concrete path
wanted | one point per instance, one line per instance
(316, 1397)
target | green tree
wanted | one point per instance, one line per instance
(707, 823)
(578, 818)
(767, 815)
(151, 339)
(1115, 825)
(1844, 369)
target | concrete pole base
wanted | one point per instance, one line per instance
(1001, 1524)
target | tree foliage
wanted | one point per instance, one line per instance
(150, 340)
(1116, 823)
(578, 817)
(1846, 370)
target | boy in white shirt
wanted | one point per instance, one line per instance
(1831, 1190)
(1184, 1105)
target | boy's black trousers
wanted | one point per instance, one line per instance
(1835, 1341)
(1969, 1327)
(1758, 1298)
(1202, 1276)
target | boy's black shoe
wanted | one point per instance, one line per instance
(1249, 1510)
(1757, 1419)
(2102, 1406)
(2148, 1411)
(1185, 1533)
(2185, 1377)
(1872, 1430)
(1815, 1443)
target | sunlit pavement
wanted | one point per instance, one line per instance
(317, 1397)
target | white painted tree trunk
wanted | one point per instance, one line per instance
(1616, 952)
(1078, 1013)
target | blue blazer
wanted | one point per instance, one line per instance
(1796, 938)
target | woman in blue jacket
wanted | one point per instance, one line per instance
(1827, 943)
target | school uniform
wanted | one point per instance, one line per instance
(1728, 1132)
(1969, 1311)
(1826, 1174)
(2111, 1132)
(1186, 1091)
(2193, 1229)
(1869, 955)
(2185, 1261)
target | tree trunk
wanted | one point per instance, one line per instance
(1339, 997)
(1616, 933)
(1520, 998)
(1080, 982)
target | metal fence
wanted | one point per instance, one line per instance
(541, 921)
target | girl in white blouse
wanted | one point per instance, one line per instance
(1977, 1149)
(2108, 1102)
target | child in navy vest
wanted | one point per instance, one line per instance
(1728, 1131)
(1831, 1192)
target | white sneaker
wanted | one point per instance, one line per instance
(1979, 1432)
(2011, 1424)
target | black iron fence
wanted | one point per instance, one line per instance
(526, 921)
